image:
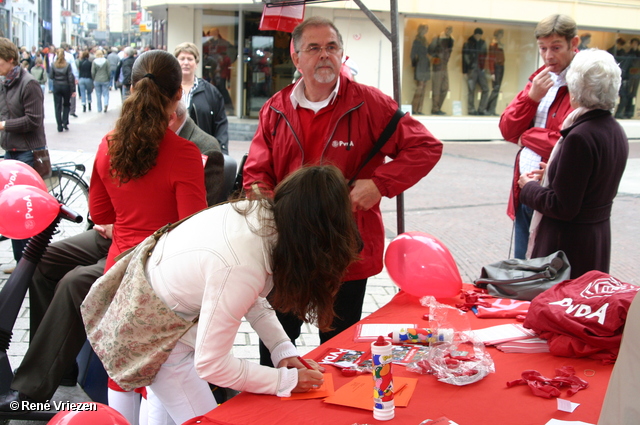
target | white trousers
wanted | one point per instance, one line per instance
(127, 403)
(179, 390)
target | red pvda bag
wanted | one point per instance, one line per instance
(583, 317)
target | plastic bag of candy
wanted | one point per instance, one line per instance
(460, 362)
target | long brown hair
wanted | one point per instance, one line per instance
(317, 240)
(156, 78)
(60, 62)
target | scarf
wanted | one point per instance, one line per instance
(11, 76)
(537, 215)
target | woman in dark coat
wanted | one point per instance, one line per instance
(574, 201)
(64, 87)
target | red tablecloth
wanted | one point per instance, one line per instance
(488, 401)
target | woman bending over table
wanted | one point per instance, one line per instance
(573, 203)
(224, 263)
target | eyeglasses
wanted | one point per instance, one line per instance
(331, 49)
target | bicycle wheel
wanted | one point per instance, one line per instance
(71, 190)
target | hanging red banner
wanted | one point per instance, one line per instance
(281, 18)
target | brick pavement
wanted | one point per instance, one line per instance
(462, 203)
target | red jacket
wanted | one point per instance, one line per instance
(360, 115)
(516, 126)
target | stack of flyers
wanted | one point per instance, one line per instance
(344, 358)
(406, 354)
(529, 345)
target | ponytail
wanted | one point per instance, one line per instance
(133, 145)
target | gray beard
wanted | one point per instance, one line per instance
(323, 77)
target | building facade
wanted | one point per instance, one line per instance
(251, 64)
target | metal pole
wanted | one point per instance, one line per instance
(395, 55)
(393, 36)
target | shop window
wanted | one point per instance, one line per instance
(444, 60)
(220, 54)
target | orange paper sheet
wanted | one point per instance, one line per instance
(359, 392)
(325, 390)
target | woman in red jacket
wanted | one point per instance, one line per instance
(144, 175)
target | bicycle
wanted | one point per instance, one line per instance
(67, 185)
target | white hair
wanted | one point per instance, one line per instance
(181, 110)
(594, 79)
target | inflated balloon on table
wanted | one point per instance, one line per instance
(96, 414)
(26, 211)
(13, 173)
(421, 265)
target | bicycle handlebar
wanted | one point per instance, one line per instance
(69, 214)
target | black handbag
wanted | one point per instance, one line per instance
(524, 279)
(42, 162)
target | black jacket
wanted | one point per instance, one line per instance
(474, 55)
(125, 66)
(84, 69)
(22, 109)
(63, 76)
(207, 110)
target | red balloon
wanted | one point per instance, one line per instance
(99, 414)
(14, 172)
(421, 265)
(26, 211)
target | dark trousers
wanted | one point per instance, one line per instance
(624, 99)
(60, 283)
(348, 309)
(221, 85)
(18, 245)
(628, 91)
(495, 91)
(477, 76)
(62, 103)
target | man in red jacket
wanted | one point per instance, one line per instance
(534, 118)
(327, 119)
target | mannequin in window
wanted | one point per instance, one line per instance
(474, 56)
(422, 68)
(218, 55)
(585, 40)
(621, 57)
(496, 68)
(440, 51)
(634, 76)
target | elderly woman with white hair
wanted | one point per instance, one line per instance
(573, 194)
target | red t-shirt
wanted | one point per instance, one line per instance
(314, 125)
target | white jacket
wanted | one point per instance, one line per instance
(214, 265)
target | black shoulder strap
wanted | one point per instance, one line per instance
(386, 134)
